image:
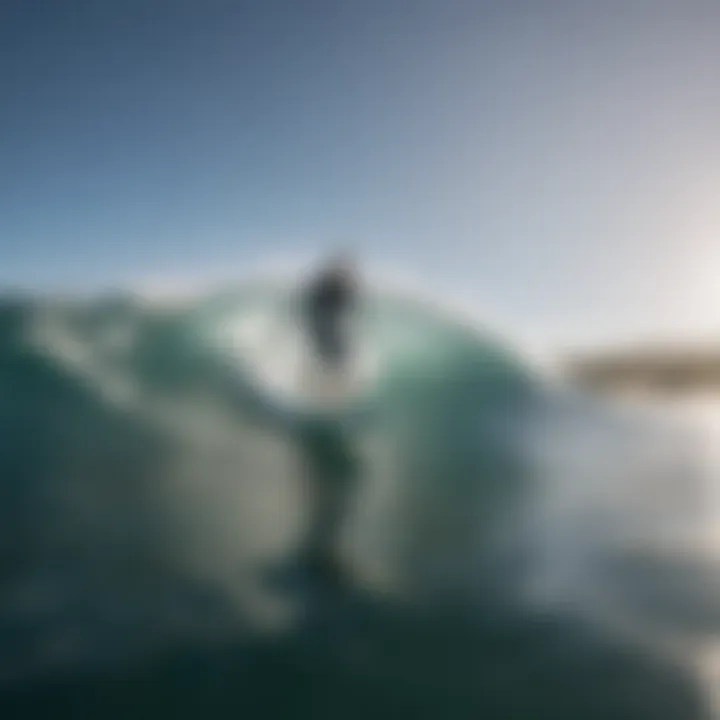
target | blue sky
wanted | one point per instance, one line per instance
(557, 162)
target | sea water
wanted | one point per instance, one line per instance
(517, 547)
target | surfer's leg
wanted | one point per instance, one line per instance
(326, 503)
(330, 498)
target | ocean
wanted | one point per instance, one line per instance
(518, 548)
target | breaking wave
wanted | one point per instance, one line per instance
(147, 481)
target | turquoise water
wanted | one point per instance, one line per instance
(147, 482)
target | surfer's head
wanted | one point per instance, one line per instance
(340, 265)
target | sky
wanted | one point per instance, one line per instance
(556, 164)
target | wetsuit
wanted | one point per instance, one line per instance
(327, 447)
(328, 302)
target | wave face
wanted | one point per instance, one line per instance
(146, 484)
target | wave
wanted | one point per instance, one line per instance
(143, 494)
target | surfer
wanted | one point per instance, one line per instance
(324, 435)
(327, 448)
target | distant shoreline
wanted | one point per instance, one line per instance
(672, 368)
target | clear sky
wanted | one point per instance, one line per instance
(558, 162)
